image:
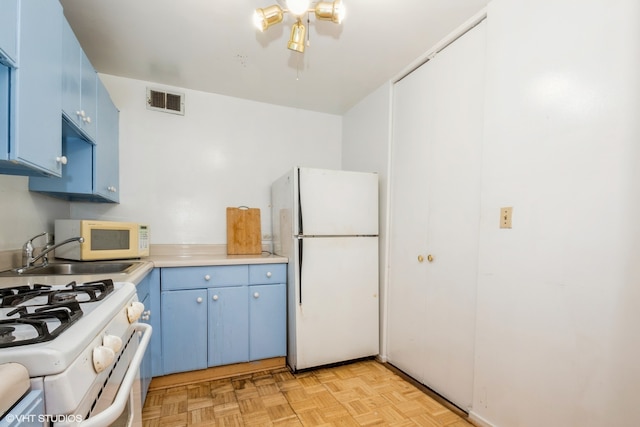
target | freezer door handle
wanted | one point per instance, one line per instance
(300, 271)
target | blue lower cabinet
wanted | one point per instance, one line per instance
(267, 321)
(184, 330)
(218, 315)
(228, 325)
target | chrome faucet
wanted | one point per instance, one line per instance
(31, 260)
(27, 248)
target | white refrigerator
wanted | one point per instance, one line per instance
(326, 223)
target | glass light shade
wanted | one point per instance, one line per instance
(296, 41)
(298, 7)
(330, 11)
(264, 18)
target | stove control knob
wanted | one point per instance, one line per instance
(113, 342)
(134, 311)
(103, 357)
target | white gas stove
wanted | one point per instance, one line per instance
(80, 344)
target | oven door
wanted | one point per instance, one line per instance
(120, 401)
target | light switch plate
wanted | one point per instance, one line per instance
(505, 217)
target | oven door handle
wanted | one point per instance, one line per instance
(110, 414)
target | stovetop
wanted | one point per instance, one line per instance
(46, 328)
(39, 313)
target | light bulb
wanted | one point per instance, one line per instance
(298, 7)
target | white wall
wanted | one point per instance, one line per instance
(557, 320)
(179, 173)
(24, 214)
(365, 147)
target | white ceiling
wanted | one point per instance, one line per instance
(212, 46)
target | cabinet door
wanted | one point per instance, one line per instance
(36, 125)
(71, 78)
(88, 96)
(9, 32)
(107, 171)
(267, 321)
(228, 325)
(184, 330)
(437, 136)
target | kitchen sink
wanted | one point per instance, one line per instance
(76, 268)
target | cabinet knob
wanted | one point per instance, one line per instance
(112, 188)
(199, 300)
(256, 295)
(215, 297)
(62, 160)
(146, 315)
(268, 274)
(420, 258)
(207, 277)
(430, 258)
(87, 120)
(81, 113)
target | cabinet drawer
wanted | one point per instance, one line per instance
(263, 274)
(204, 277)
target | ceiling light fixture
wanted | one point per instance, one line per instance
(324, 10)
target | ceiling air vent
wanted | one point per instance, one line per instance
(165, 101)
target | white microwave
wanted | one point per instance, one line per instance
(103, 240)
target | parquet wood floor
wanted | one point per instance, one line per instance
(364, 393)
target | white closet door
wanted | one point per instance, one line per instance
(437, 139)
(412, 119)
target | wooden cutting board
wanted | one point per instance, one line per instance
(244, 236)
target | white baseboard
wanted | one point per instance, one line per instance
(479, 421)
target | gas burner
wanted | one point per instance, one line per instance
(59, 297)
(6, 334)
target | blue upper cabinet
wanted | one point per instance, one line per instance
(34, 145)
(92, 172)
(79, 85)
(107, 171)
(9, 32)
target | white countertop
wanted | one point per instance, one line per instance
(201, 255)
(161, 256)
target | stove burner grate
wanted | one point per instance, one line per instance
(29, 320)
(10, 297)
(65, 313)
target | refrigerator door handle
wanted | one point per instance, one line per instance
(300, 271)
(300, 231)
